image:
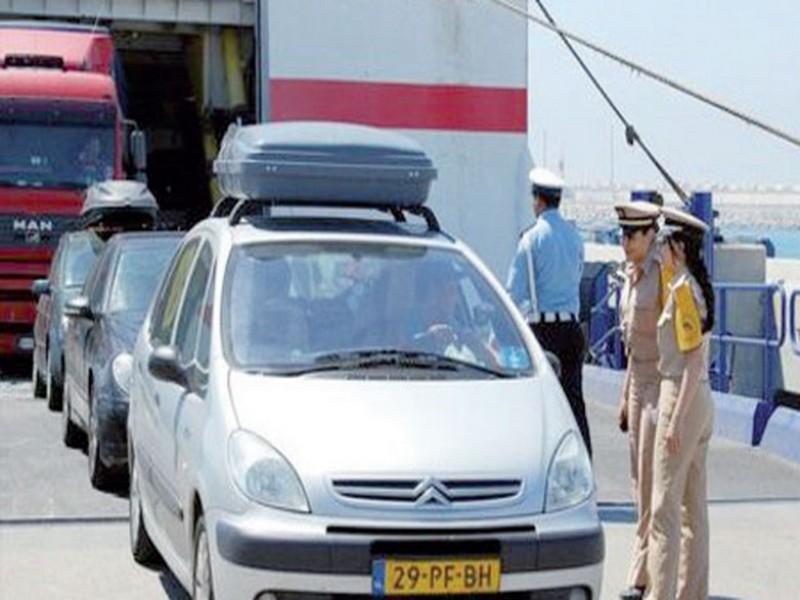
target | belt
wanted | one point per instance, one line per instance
(554, 317)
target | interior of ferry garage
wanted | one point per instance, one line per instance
(184, 72)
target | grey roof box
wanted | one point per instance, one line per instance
(323, 163)
(126, 196)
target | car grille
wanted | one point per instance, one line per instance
(422, 492)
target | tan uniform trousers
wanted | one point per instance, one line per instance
(642, 417)
(678, 548)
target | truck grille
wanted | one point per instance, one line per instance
(428, 491)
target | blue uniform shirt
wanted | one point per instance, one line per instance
(551, 254)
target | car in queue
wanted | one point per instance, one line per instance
(323, 403)
(72, 262)
(104, 321)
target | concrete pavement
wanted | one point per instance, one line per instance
(60, 538)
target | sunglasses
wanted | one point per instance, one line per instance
(629, 232)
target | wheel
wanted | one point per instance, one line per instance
(202, 584)
(54, 390)
(100, 475)
(142, 547)
(39, 389)
(70, 432)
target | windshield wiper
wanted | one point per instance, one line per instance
(404, 359)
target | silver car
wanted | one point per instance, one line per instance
(347, 407)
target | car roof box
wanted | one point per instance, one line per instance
(111, 196)
(323, 163)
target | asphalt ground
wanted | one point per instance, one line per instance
(59, 538)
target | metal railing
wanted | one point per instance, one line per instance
(766, 340)
(794, 334)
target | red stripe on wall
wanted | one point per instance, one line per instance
(399, 105)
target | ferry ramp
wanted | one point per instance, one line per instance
(60, 538)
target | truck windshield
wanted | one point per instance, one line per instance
(55, 155)
(290, 307)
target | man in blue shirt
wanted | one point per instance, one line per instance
(544, 282)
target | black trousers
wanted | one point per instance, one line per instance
(566, 341)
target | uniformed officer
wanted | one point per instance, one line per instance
(678, 553)
(641, 304)
(544, 282)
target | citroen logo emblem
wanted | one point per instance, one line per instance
(431, 492)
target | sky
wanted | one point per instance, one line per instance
(745, 54)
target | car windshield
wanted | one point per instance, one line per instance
(43, 155)
(137, 274)
(294, 306)
(81, 254)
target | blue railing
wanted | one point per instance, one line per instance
(770, 340)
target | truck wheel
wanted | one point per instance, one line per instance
(202, 584)
(55, 390)
(142, 547)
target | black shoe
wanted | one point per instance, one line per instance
(632, 593)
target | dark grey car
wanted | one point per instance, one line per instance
(103, 324)
(72, 262)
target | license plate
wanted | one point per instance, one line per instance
(440, 577)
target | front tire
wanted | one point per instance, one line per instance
(39, 388)
(70, 432)
(202, 582)
(54, 390)
(100, 475)
(142, 547)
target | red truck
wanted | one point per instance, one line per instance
(61, 129)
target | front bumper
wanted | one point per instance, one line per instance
(537, 554)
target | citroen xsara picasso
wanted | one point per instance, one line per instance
(324, 404)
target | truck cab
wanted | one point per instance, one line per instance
(61, 129)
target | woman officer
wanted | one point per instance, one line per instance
(678, 553)
(641, 304)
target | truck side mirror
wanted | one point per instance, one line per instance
(138, 143)
(40, 287)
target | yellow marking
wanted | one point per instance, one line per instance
(688, 328)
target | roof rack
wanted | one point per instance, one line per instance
(246, 207)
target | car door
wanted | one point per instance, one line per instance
(159, 490)
(180, 405)
(44, 310)
(84, 330)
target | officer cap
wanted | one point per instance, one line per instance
(676, 220)
(545, 183)
(637, 214)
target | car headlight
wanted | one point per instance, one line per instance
(122, 370)
(569, 480)
(263, 475)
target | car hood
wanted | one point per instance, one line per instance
(341, 428)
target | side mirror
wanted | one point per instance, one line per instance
(555, 362)
(163, 364)
(78, 308)
(40, 287)
(138, 143)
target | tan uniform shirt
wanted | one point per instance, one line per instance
(640, 308)
(685, 307)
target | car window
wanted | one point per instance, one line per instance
(77, 259)
(169, 296)
(189, 319)
(204, 339)
(137, 273)
(94, 285)
(288, 305)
